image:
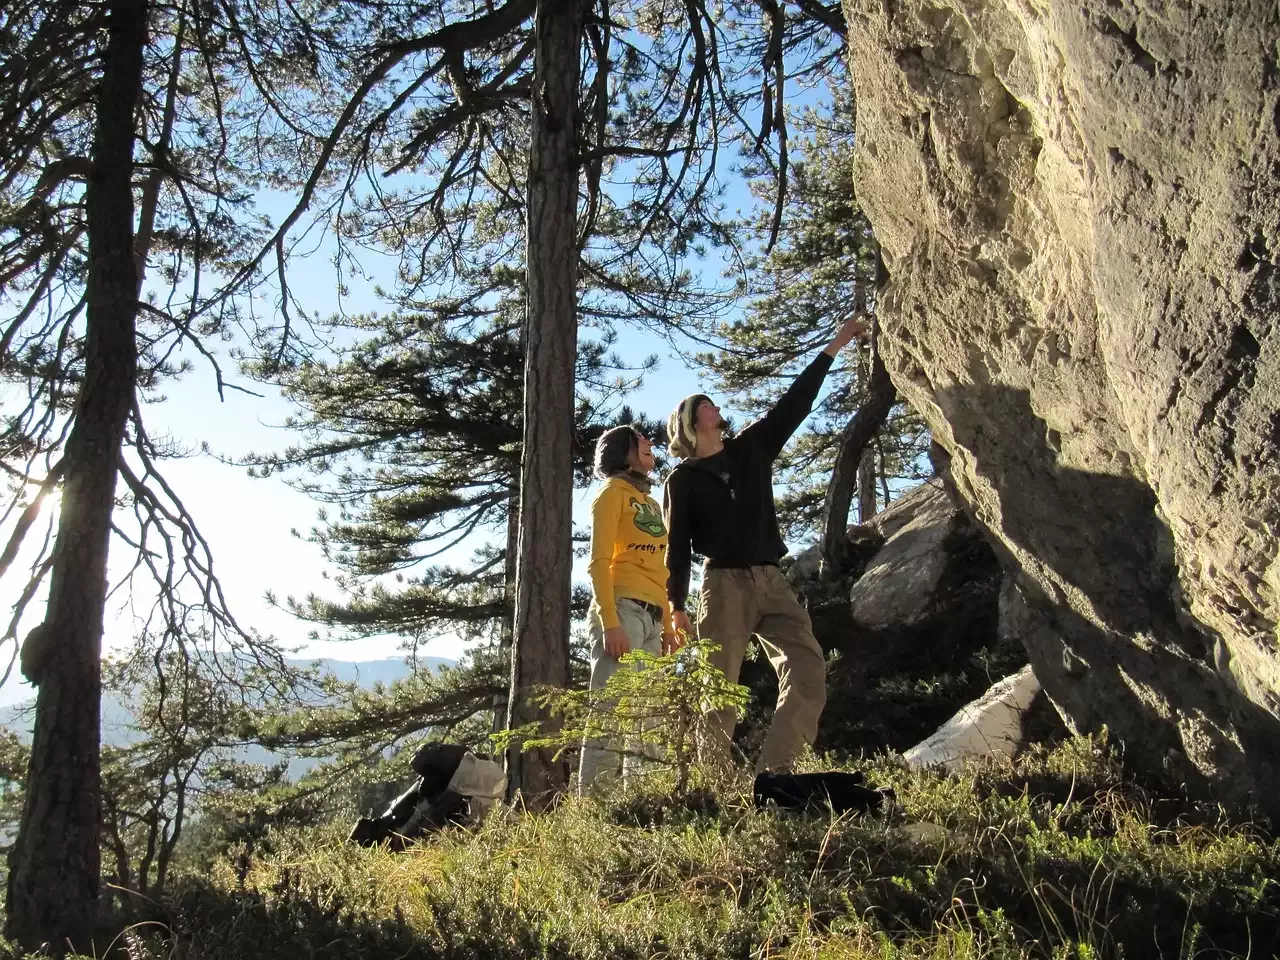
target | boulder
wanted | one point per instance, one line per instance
(929, 595)
(901, 583)
(1078, 205)
(991, 725)
(916, 634)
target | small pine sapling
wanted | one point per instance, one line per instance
(661, 709)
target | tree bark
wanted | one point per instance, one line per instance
(867, 465)
(856, 438)
(54, 865)
(867, 503)
(540, 651)
(509, 595)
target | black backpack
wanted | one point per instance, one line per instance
(454, 787)
(814, 791)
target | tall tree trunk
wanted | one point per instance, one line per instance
(509, 595)
(856, 439)
(540, 653)
(867, 484)
(54, 865)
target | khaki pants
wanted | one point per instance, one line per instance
(737, 603)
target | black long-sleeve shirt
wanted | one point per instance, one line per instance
(722, 506)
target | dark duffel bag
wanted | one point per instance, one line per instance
(841, 792)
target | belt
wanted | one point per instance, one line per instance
(652, 609)
(710, 564)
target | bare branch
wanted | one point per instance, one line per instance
(29, 516)
(773, 60)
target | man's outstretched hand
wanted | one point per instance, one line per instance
(855, 326)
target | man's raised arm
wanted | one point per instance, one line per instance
(774, 429)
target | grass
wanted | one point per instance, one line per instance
(1058, 855)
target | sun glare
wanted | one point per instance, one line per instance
(52, 503)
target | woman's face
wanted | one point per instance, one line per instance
(641, 459)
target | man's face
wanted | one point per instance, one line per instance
(707, 417)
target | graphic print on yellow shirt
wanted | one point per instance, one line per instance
(648, 517)
(628, 550)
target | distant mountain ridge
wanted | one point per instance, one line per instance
(116, 717)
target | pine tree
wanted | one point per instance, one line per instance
(131, 137)
(540, 636)
(414, 435)
(823, 266)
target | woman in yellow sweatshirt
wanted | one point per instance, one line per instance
(629, 609)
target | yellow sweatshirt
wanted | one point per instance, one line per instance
(628, 550)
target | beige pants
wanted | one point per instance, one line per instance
(758, 600)
(645, 633)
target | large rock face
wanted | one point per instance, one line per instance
(1079, 206)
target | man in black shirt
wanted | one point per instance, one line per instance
(719, 502)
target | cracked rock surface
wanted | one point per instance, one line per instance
(1079, 207)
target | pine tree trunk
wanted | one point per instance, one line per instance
(856, 439)
(867, 502)
(540, 653)
(867, 465)
(884, 470)
(54, 865)
(509, 595)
